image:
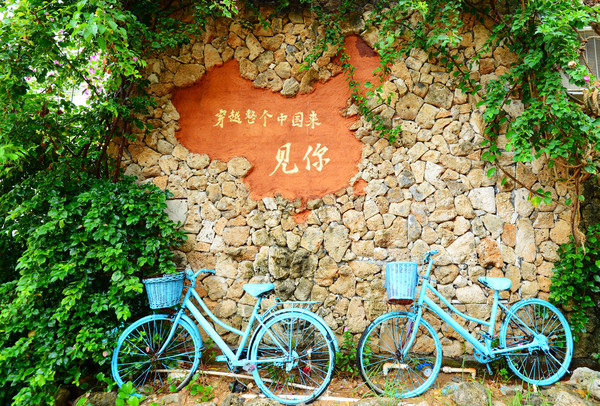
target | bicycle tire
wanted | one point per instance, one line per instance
(302, 376)
(539, 366)
(380, 350)
(134, 358)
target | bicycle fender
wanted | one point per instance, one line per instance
(397, 312)
(185, 319)
(316, 317)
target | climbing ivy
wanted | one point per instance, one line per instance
(576, 278)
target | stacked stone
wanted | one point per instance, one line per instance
(427, 190)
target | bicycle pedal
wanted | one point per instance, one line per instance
(237, 387)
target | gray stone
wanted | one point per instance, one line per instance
(483, 198)
(336, 241)
(284, 70)
(471, 394)
(248, 70)
(212, 57)
(264, 60)
(588, 380)
(253, 46)
(494, 224)
(269, 80)
(414, 228)
(290, 87)
(279, 262)
(406, 178)
(188, 74)
(261, 402)
(177, 210)
(471, 294)
(345, 285)
(426, 116)
(303, 264)
(380, 402)
(198, 161)
(232, 400)
(273, 43)
(216, 287)
(564, 397)
(525, 247)
(239, 167)
(312, 239)
(523, 205)
(408, 106)
(440, 96)
(99, 398)
(461, 248)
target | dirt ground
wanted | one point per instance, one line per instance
(340, 387)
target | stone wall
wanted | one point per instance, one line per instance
(427, 190)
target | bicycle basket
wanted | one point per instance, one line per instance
(164, 291)
(401, 282)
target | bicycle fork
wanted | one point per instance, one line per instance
(405, 343)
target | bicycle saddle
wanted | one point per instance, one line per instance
(257, 289)
(495, 283)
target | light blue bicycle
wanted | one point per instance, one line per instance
(400, 353)
(289, 350)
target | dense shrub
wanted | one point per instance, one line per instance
(81, 246)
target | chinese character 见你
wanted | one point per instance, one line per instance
(220, 117)
(312, 120)
(319, 151)
(266, 115)
(283, 159)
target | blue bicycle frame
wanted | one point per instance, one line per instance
(483, 348)
(233, 358)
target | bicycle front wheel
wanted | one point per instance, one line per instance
(137, 359)
(547, 362)
(390, 364)
(294, 359)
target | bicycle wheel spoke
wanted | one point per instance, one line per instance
(135, 358)
(300, 370)
(389, 366)
(548, 360)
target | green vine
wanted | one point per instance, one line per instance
(576, 278)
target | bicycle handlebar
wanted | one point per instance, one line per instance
(191, 275)
(431, 253)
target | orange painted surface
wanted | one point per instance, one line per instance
(299, 147)
(358, 189)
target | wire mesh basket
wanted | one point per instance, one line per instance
(401, 282)
(164, 291)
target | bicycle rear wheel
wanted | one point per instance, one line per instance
(294, 358)
(136, 357)
(388, 366)
(548, 362)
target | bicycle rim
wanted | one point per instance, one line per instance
(386, 364)
(294, 359)
(546, 364)
(136, 357)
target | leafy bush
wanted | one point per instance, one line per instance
(345, 359)
(82, 246)
(577, 277)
